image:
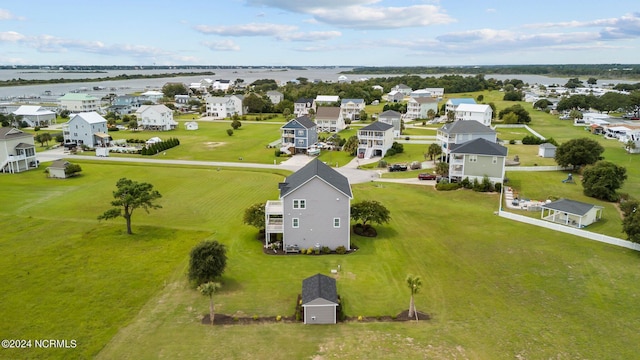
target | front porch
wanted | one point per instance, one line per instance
(273, 222)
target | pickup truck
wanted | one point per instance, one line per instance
(397, 167)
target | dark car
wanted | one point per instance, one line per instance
(398, 167)
(425, 176)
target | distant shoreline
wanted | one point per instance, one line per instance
(24, 82)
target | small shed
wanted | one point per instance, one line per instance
(191, 125)
(57, 169)
(547, 150)
(319, 299)
(571, 213)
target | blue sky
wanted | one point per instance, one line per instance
(318, 33)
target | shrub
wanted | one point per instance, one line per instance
(255, 317)
(382, 164)
(279, 317)
(442, 186)
(466, 183)
(310, 251)
(229, 132)
(360, 318)
(303, 251)
(532, 140)
(277, 153)
(512, 142)
(390, 152)
(341, 250)
(498, 187)
(326, 250)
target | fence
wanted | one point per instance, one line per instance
(573, 231)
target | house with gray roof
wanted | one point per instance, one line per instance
(319, 300)
(298, 135)
(275, 96)
(452, 104)
(351, 108)
(571, 213)
(374, 140)
(301, 106)
(125, 104)
(313, 210)
(418, 108)
(459, 132)
(476, 159)
(17, 151)
(394, 118)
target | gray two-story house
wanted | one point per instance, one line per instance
(299, 134)
(88, 129)
(459, 132)
(476, 159)
(313, 211)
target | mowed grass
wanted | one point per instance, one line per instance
(530, 292)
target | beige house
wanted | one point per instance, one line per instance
(329, 119)
(79, 102)
(17, 151)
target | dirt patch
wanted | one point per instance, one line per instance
(213, 144)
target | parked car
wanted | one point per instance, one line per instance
(398, 167)
(425, 176)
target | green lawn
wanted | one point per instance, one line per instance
(538, 293)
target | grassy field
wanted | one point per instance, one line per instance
(496, 289)
(538, 294)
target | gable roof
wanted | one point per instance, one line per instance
(390, 113)
(59, 164)
(424, 100)
(355, 101)
(319, 286)
(313, 169)
(90, 117)
(159, 108)
(547, 146)
(570, 206)
(328, 112)
(459, 101)
(479, 146)
(7, 133)
(32, 110)
(377, 126)
(466, 127)
(304, 101)
(327, 98)
(302, 121)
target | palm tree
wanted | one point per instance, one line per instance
(208, 289)
(630, 145)
(414, 283)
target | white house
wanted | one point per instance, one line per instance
(301, 107)
(452, 104)
(418, 108)
(329, 119)
(275, 96)
(479, 112)
(571, 213)
(152, 96)
(220, 107)
(374, 140)
(403, 89)
(156, 117)
(459, 132)
(221, 85)
(75, 102)
(325, 100)
(395, 96)
(393, 118)
(351, 108)
(88, 129)
(191, 125)
(201, 86)
(35, 115)
(17, 150)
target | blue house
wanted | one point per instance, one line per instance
(299, 134)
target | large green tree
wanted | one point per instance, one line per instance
(207, 261)
(208, 289)
(523, 115)
(129, 196)
(602, 179)
(434, 151)
(170, 90)
(631, 221)
(254, 215)
(413, 283)
(370, 211)
(578, 152)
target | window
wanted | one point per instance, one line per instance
(295, 223)
(299, 204)
(336, 222)
(301, 132)
(473, 158)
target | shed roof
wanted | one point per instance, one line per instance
(319, 286)
(313, 169)
(332, 112)
(302, 121)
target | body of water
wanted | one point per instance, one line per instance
(123, 87)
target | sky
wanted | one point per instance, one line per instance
(319, 32)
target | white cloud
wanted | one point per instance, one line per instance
(11, 36)
(253, 29)
(222, 45)
(311, 36)
(7, 15)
